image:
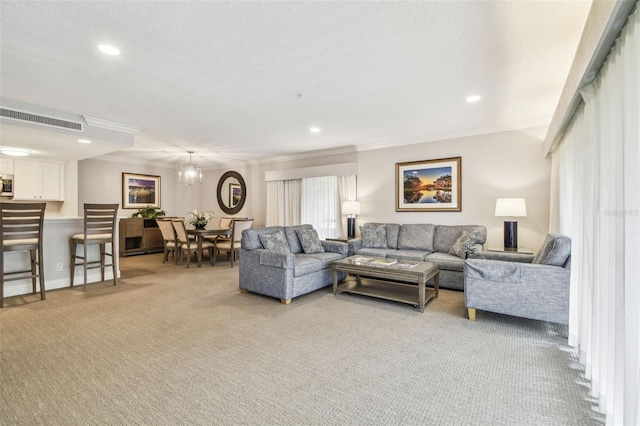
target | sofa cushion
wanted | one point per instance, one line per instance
(446, 235)
(275, 241)
(555, 250)
(446, 261)
(392, 229)
(409, 254)
(309, 241)
(416, 237)
(251, 237)
(292, 237)
(306, 265)
(464, 244)
(374, 236)
(326, 258)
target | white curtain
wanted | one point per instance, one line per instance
(596, 200)
(321, 205)
(283, 202)
(347, 188)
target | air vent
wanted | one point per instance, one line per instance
(42, 120)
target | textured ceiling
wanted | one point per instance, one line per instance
(241, 81)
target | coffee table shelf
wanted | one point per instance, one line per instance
(404, 285)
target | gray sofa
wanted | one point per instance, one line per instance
(440, 244)
(286, 271)
(524, 286)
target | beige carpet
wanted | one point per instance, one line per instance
(171, 346)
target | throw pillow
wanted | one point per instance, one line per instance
(464, 243)
(374, 236)
(310, 241)
(555, 250)
(275, 241)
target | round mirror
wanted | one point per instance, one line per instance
(231, 192)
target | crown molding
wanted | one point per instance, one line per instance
(111, 125)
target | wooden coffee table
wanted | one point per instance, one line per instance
(403, 281)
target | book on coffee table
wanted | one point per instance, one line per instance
(405, 264)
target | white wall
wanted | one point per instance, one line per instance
(100, 181)
(506, 164)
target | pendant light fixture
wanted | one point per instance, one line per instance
(190, 174)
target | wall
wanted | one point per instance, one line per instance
(498, 165)
(100, 181)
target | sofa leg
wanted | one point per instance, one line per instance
(285, 301)
(472, 314)
(242, 290)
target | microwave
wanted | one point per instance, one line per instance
(7, 185)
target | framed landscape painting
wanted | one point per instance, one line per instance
(140, 191)
(429, 185)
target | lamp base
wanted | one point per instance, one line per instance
(351, 227)
(510, 235)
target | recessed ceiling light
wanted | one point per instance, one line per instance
(84, 141)
(16, 152)
(473, 98)
(314, 129)
(109, 50)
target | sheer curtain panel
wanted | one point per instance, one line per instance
(283, 202)
(596, 200)
(321, 205)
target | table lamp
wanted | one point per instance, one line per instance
(511, 207)
(352, 208)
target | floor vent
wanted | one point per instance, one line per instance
(43, 120)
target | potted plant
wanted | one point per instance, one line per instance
(149, 213)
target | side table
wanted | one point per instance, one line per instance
(341, 239)
(508, 250)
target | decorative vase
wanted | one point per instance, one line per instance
(200, 226)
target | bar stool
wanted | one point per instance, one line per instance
(21, 227)
(99, 228)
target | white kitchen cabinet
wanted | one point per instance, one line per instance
(38, 180)
(6, 166)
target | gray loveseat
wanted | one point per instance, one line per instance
(524, 286)
(445, 245)
(286, 271)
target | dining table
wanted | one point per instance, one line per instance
(200, 234)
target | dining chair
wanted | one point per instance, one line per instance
(99, 229)
(188, 246)
(169, 238)
(232, 245)
(225, 223)
(21, 228)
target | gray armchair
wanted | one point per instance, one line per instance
(509, 284)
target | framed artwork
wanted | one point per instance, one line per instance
(235, 193)
(140, 191)
(429, 185)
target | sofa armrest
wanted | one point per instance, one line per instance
(335, 247)
(354, 244)
(500, 255)
(277, 259)
(516, 272)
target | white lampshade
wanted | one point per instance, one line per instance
(511, 207)
(350, 207)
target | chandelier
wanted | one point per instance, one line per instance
(190, 174)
